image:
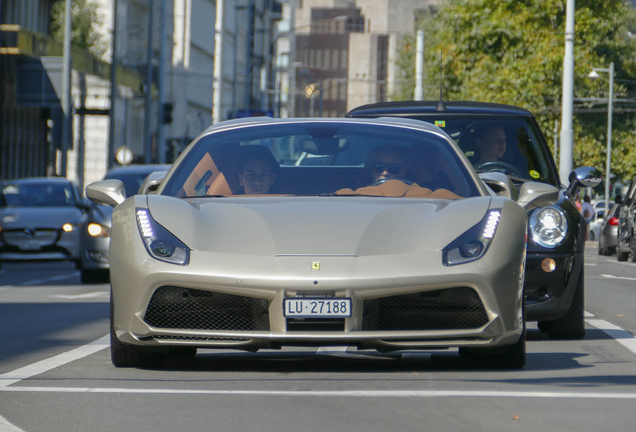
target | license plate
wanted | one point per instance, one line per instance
(317, 307)
(30, 246)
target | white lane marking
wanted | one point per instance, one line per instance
(331, 393)
(327, 350)
(623, 337)
(589, 265)
(47, 364)
(606, 276)
(5, 426)
(587, 314)
(49, 279)
(98, 294)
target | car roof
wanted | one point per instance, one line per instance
(404, 108)
(34, 180)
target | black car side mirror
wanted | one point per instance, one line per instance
(584, 176)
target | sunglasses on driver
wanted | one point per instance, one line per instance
(390, 168)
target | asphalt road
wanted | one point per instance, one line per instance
(56, 375)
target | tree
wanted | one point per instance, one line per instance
(84, 20)
(511, 51)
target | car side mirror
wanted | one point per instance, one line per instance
(535, 194)
(107, 192)
(584, 176)
(151, 183)
(500, 184)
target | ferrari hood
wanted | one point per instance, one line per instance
(350, 226)
(38, 217)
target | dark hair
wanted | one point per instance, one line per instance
(250, 152)
(586, 198)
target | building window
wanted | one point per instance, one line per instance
(344, 60)
(334, 59)
(382, 67)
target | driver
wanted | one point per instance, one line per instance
(387, 161)
(491, 141)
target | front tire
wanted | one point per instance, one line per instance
(123, 355)
(571, 326)
(620, 255)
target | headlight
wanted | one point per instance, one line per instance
(549, 226)
(67, 227)
(474, 243)
(97, 230)
(161, 243)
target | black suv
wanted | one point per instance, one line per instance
(554, 286)
(625, 238)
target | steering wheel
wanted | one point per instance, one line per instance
(379, 182)
(498, 166)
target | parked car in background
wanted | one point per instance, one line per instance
(41, 218)
(608, 231)
(396, 243)
(555, 281)
(594, 225)
(95, 261)
(626, 239)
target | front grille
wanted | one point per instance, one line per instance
(192, 309)
(446, 309)
(449, 339)
(43, 237)
(199, 338)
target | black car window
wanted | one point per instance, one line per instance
(524, 155)
(37, 194)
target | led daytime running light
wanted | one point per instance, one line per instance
(144, 223)
(491, 225)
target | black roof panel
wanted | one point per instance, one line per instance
(405, 108)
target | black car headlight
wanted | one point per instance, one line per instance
(161, 243)
(549, 226)
(474, 243)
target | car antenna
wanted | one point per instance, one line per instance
(441, 106)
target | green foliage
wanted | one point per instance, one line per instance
(84, 19)
(511, 52)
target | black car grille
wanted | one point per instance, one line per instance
(198, 338)
(192, 309)
(446, 309)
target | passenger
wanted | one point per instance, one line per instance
(388, 161)
(257, 169)
(491, 141)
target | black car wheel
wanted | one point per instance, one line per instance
(571, 326)
(94, 276)
(632, 251)
(620, 255)
(602, 250)
(508, 357)
(123, 355)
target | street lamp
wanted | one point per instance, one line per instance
(594, 76)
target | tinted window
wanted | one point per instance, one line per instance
(524, 156)
(37, 194)
(318, 158)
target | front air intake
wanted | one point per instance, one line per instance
(192, 309)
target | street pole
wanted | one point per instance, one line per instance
(148, 108)
(567, 133)
(161, 135)
(609, 137)
(292, 60)
(219, 42)
(419, 67)
(66, 88)
(113, 91)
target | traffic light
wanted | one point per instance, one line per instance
(167, 113)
